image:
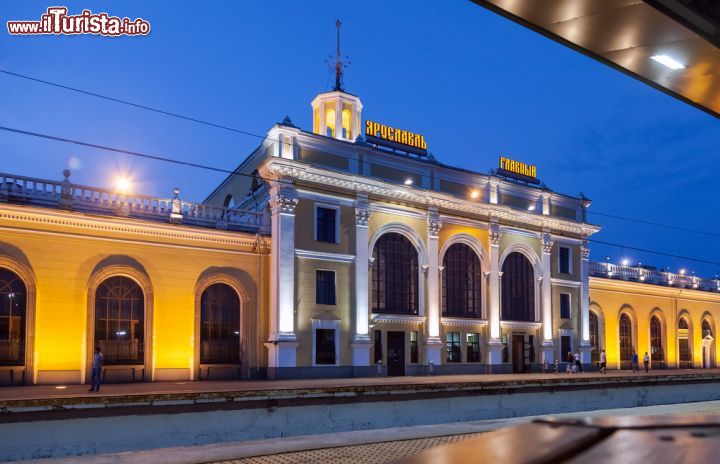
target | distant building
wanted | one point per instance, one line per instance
(349, 250)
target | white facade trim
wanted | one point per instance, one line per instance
(325, 198)
(461, 322)
(323, 256)
(566, 283)
(520, 325)
(397, 319)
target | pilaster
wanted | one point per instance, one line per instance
(494, 343)
(361, 343)
(546, 306)
(434, 343)
(282, 343)
(585, 347)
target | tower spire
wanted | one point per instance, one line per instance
(339, 62)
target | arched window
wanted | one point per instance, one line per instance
(229, 202)
(626, 341)
(518, 288)
(706, 330)
(330, 122)
(120, 321)
(219, 325)
(461, 283)
(594, 336)
(394, 275)
(684, 344)
(656, 346)
(13, 302)
(346, 117)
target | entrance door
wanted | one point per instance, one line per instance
(396, 353)
(518, 353)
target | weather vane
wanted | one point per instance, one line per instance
(340, 61)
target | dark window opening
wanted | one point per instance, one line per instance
(324, 346)
(325, 224)
(325, 287)
(564, 260)
(120, 321)
(13, 301)
(505, 350)
(452, 347)
(706, 330)
(394, 276)
(565, 306)
(378, 346)
(219, 325)
(626, 342)
(413, 347)
(518, 288)
(565, 347)
(473, 347)
(594, 337)
(461, 282)
(656, 349)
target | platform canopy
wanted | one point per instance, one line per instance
(644, 39)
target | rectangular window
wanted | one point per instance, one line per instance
(325, 287)
(378, 346)
(414, 347)
(452, 347)
(565, 306)
(325, 224)
(473, 347)
(564, 260)
(565, 347)
(324, 346)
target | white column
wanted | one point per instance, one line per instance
(547, 345)
(433, 344)
(585, 347)
(282, 343)
(494, 343)
(361, 343)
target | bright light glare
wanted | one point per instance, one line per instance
(474, 194)
(531, 208)
(123, 184)
(625, 262)
(408, 181)
(60, 387)
(667, 61)
(682, 271)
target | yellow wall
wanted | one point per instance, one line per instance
(611, 297)
(64, 250)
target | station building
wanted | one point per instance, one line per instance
(347, 250)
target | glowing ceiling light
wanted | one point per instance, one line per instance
(60, 387)
(531, 208)
(474, 194)
(667, 61)
(408, 181)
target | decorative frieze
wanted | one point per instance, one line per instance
(547, 242)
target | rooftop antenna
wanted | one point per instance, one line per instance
(340, 62)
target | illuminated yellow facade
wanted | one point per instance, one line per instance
(62, 257)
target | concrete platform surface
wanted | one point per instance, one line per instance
(357, 447)
(34, 395)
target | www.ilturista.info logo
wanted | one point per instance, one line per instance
(56, 21)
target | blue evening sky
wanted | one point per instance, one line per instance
(475, 84)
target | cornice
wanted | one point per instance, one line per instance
(284, 168)
(40, 219)
(623, 286)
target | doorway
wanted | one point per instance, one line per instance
(396, 353)
(518, 353)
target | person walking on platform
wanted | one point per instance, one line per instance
(578, 365)
(635, 367)
(96, 373)
(603, 362)
(570, 361)
(646, 361)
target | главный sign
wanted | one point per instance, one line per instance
(397, 139)
(518, 170)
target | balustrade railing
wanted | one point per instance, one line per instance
(65, 194)
(653, 276)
